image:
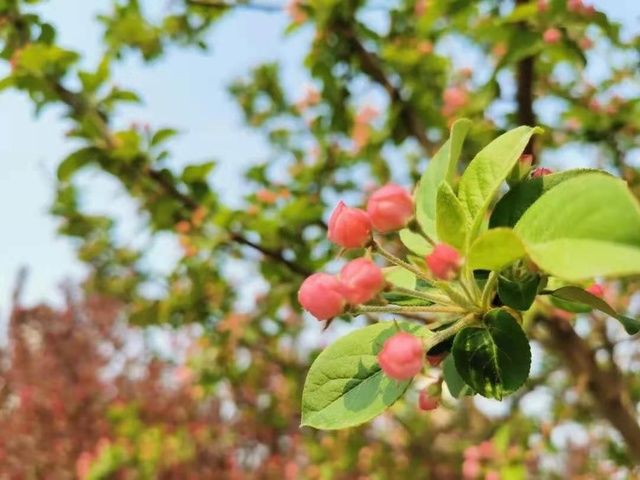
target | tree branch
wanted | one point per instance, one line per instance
(80, 107)
(525, 75)
(606, 384)
(372, 66)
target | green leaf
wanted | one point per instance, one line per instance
(455, 383)
(345, 385)
(586, 226)
(577, 294)
(452, 220)
(400, 277)
(493, 359)
(516, 201)
(489, 168)
(414, 242)
(495, 249)
(441, 168)
(162, 135)
(518, 290)
(76, 161)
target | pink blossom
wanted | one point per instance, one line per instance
(444, 261)
(362, 280)
(402, 356)
(390, 208)
(349, 227)
(322, 295)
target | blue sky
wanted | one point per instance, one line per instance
(186, 90)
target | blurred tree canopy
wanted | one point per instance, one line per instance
(425, 62)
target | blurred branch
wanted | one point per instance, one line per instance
(525, 74)
(261, 7)
(606, 384)
(372, 67)
(80, 107)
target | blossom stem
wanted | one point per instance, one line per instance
(401, 263)
(442, 335)
(431, 297)
(407, 309)
(488, 289)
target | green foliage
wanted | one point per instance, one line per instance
(586, 226)
(441, 168)
(488, 169)
(495, 249)
(576, 294)
(494, 358)
(518, 287)
(345, 386)
(452, 220)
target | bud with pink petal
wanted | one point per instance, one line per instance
(543, 5)
(492, 475)
(436, 360)
(426, 402)
(362, 280)
(596, 289)
(402, 356)
(322, 295)
(552, 35)
(349, 227)
(444, 262)
(390, 208)
(541, 172)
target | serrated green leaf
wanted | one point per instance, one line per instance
(581, 296)
(489, 168)
(495, 249)
(345, 385)
(452, 220)
(586, 226)
(441, 168)
(494, 359)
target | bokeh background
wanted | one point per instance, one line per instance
(171, 345)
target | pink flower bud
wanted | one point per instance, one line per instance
(362, 280)
(596, 289)
(435, 360)
(427, 402)
(543, 5)
(574, 5)
(552, 35)
(472, 453)
(585, 43)
(492, 475)
(471, 469)
(454, 98)
(390, 208)
(486, 450)
(402, 356)
(349, 227)
(444, 261)
(541, 172)
(526, 160)
(322, 295)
